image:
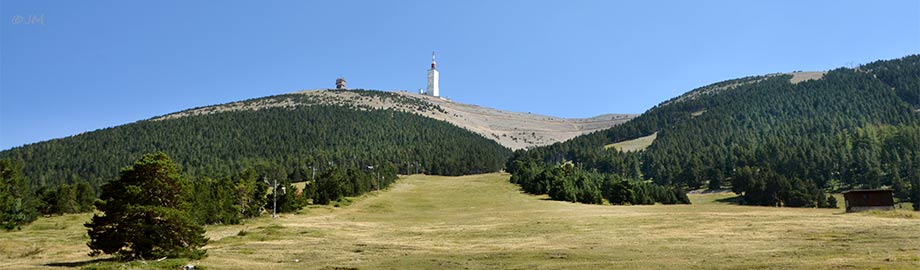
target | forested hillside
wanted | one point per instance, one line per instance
(773, 142)
(292, 138)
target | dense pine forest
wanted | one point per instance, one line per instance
(339, 149)
(773, 142)
(317, 136)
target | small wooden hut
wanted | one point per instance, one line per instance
(869, 199)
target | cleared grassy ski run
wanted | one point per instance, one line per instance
(484, 222)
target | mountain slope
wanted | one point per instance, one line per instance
(774, 139)
(293, 137)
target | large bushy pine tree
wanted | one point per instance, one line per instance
(145, 214)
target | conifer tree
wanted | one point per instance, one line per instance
(145, 214)
(16, 208)
(85, 196)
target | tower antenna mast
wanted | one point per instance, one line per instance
(432, 89)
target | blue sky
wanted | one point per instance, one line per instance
(68, 67)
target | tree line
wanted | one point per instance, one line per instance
(231, 199)
(566, 182)
(228, 199)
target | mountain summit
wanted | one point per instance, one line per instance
(515, 130)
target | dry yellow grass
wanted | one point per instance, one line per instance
(634, 145)
(47, 240)
(484, 222)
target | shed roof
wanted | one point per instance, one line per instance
(868, 191)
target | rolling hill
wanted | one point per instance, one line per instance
(779, 139)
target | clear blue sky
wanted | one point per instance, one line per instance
(68, 67)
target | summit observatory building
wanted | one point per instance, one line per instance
(432, 89)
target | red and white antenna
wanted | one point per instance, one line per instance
(432, 60)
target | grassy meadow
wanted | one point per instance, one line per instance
(484, 222)
(634, 145)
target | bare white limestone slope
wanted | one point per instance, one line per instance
(514, 130)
